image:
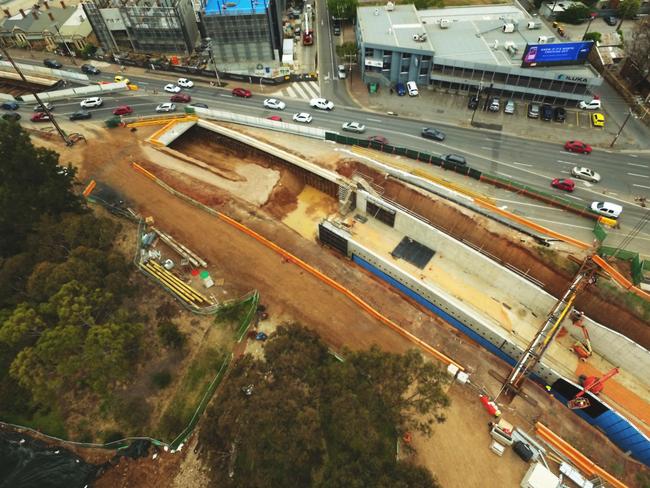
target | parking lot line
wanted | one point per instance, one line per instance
(642, 186)
(640, 176)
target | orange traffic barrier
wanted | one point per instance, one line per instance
(619, 278)
(89, 189)
(580, 460)
(140, 169)
(532, 225)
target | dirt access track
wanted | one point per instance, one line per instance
(288, 291)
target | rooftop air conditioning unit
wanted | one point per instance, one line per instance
(534, 25)
(420, 37)
(542, 40)
(495, 46)
(508, 28)
(508, 45)
(444, 23)
(390, 6)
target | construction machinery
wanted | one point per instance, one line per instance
(591, 384)
(307, 29)
(582, 348)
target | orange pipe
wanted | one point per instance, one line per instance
(619, 278)
(580, 460)
(89, 189)
(140, 169)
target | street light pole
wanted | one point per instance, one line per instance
(56, 26)
(629, 114)
(591, 18)
(214, 65)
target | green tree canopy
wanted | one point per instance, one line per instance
(627, 9)
(343, 9)
(574, 14)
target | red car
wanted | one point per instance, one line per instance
(277, 118)
(379, 139)
(578, 147)
(40, 117)
(563, 184)
(180, 97)
(241, 92)
(123, 110)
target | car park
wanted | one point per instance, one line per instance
(559, 114)
(241, 92)
(336, 27)
(577, 147)
(166, 107)
(80, 115)
(185, 83)
(321, 103)
(302, 117)
(41, 108)
(89, 69)
(11, 116)
(586, 174)
(473, 102)
(431, 133)
(598, 119)
(610, 20)
(357, 127)
(412, 88)
(594, 104)
(181, 97)
(455, 159)
(378, 139)
(121, 79)
(607, 209)
(171, 88)
(547, 113)
(533, 111)
(52, 63)
(91, 102)
(509, 108)
(122, 110)
(494, 105)
(564, 184)
(400, 88)
(277, 118)
(274, 104)
(40, 117)
(341, 71)
(197, 105)
(9, 105)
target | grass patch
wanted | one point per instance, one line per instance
(612, 293)
(238, 314)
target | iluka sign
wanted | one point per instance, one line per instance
(377, 63)
(579, 79)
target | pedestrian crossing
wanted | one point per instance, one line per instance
(305, 90)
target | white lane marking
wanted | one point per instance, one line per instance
(528, 204)
(522, 164)
(638, 165)
(504, 174)
(640, 176)
(634, 155)
(225, 96)
(374, 120)
(485, 147)
(565, 162)
(642, 186)
(574, 197)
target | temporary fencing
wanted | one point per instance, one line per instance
(638, 265)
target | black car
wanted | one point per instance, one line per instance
(336, 28)
(9, 106)
(89, 69)
(41, 108)
(547, 112)
(431, 133)
(52, 63)
(11, 116)
(610, 20)
(559, 114)
(198, 105)
(474, 100)
(80, 115)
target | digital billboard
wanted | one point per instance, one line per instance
(565, 53)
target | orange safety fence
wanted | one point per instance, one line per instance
(619, 278)
(532, 225)
(324, 278)
(89, 189)
(581, 461)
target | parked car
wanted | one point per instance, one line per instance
(9, 106)
(182, 98)
(121, 79)
(412, 88)
(586, 174)
(559, 114)
(91, 102)
(185, 83)
(378, 139)
(610, 20)
(473, 102)
(302, 117)
(122, 110)
(89, 69)
(357, 127)
(608, 209)
(598, 119)
(594, 104)
(11, 116)
(455, 159)
(277, 118)
(547, 112)
(171, 88)
(80, 115)
(400, 88)
(166, 107)
(564, 184)
(533, 111)
(40, 117)
(197, 105)
(241, 92)
(52, 63)
(321, 103)
(274, 104)
(341, 71)
(510, 107)
(494, 105)
(336, 27)
(431, 133)
(577, 147)
(41, 108)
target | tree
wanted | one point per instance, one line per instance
(89, 50)
(574, 14)
(343, 9)
(592, 36)
(170, 336)
(424, 4)
(22, 328)
(32, 184)
(627, 9)
(637, 49)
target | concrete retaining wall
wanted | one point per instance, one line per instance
(177, 130)
(42, 70)
(82, 91)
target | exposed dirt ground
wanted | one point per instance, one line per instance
(287, 291)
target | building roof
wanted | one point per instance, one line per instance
(392, 28)
(39, 20)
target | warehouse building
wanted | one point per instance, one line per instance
(496, 47)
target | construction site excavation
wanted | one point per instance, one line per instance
(333, 238)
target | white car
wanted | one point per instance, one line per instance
(608, 209)
(185, 83)
(171, 88)
(354, 127)
(585, 174)
(321, 103)
(166, 107)
(302, 117)
(274, 103)
(342, 74)
(412, 89)
(594, 104)
(91, 102)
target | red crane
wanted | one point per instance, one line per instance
(591, 384)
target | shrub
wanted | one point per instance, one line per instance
(170, 336)
(112, 436)
(161, 379)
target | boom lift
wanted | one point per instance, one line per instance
(591, 384)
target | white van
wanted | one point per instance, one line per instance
(607, 209)
(594, 104)
(412, 89)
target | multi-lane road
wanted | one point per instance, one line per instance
(624, 175)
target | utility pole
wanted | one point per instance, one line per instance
(591, 18)
(214, 65)
(56, 26)
(56, 125)
(629, 114)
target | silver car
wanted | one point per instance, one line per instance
(510, 107)
(354, 127)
